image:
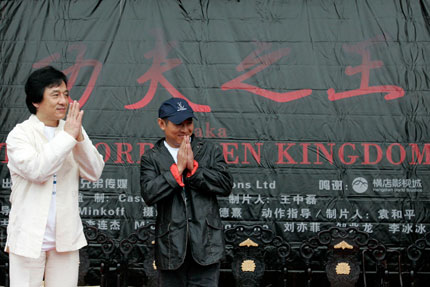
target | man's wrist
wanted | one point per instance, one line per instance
(180, 170)
(194, 169)
(175, 172)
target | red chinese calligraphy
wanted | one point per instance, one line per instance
(155, 75)
(262, 62)
(393, 92)
(73, 71)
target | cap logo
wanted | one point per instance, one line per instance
(181, 108)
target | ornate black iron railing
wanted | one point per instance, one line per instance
(256, 256)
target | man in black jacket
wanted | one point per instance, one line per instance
(184, 175)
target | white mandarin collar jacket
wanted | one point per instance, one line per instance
(32, 162)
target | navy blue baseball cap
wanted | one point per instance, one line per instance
(175, 110)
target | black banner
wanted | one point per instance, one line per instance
(320, 107)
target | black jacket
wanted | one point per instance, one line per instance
(190, 214)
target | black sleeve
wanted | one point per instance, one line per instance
(155, 184)
(212, 177)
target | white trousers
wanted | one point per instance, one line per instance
(58, 268)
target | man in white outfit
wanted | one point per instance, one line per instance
(47, 155)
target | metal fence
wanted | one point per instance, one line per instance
(258, 257)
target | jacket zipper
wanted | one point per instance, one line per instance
(186, 210)
(186, 219)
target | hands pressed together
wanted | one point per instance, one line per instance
(185, 156)
(73, 125)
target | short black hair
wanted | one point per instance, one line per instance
(37, 82)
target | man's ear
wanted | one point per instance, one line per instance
(161, 124)
(36, 105)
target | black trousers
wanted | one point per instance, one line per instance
(190, 274)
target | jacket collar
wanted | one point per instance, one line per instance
(194, 142)
(36, 123)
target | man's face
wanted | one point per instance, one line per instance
(175, 133)
(54, 104)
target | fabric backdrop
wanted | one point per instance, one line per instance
(321, 107)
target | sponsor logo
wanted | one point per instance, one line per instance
(360, 185)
